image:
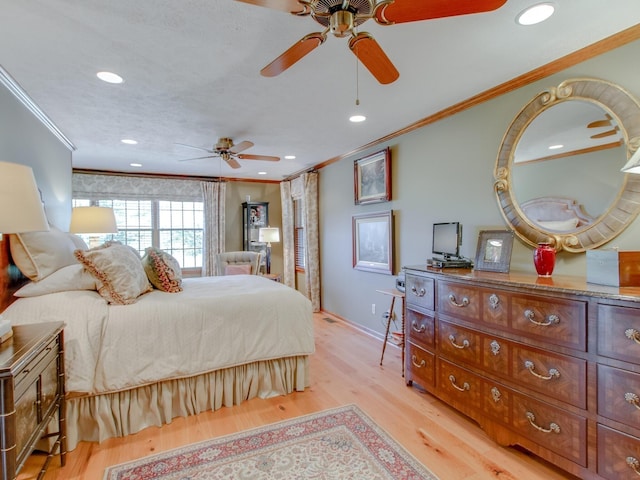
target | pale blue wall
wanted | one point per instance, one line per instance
(444, 172)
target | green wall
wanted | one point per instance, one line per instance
(444, 172)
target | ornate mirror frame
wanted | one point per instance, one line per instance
(625, 110)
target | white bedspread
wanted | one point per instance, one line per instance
(216, 322)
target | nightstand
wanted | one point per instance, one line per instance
(31, 393)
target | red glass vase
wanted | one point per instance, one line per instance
(544, 259)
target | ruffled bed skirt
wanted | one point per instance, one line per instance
(96, 418)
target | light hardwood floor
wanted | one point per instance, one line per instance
(345, 369)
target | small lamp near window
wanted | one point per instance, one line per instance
(94, 221)
(269, 235)
(633, 165)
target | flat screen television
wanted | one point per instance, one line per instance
(447, 238)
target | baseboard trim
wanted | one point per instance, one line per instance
(356, 326)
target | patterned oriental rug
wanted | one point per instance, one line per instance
(341, 443)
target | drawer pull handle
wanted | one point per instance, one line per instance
(465, 386)
(633, 399)
(553, 373)
(495, 394)
(465, 343)
(414, 327)
(454, 302)
(633, 464)
(494, 301)
(418, 293)
(422, 363)
(632, 334)
(553, 319)
(553, 427)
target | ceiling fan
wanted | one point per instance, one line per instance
(341, 17)
(229, 152)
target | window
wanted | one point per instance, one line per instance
(176, 227)
(299, 240)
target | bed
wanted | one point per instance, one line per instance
(212, 342)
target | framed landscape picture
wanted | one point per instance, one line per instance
(373, 242)
(372, 178)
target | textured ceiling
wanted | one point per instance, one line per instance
(191, 71)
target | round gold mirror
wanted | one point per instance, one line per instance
(557, 177)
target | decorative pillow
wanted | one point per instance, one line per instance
(71, 277)
(39, 254)
(163, 270)
(78, 242)
(237, 269)
(118, 271)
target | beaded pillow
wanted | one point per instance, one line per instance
(163, 270)
(118, 272)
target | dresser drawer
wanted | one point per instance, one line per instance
(420, 365)
(420, 328)
(29, 372)
(553, 320)
(618, 454)
(458, 343)
(459, 300)
(619, 395)
(419, 291)
(550, 427)
(619, 333)
(460, 386)
(558, 376)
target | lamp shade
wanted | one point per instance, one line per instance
(93, 220)
(269, 235)
(633, 165)
(21, 207)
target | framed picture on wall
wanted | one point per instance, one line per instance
(372, 178)
(373, 242)
(494, 250)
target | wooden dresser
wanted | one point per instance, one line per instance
(31, 393)
(550, 364)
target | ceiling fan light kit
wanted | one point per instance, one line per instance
(341, 17)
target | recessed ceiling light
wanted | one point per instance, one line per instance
(357, 118)
(110, 77)
(535, 14)
(289, 157)
(555, 147)
(262, 173)
(129, 141)
(135, 164)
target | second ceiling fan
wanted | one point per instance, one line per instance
(341, 17)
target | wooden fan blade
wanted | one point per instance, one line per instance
(403, 11)
(197, 158)
(266, 158)
(373, 57)
(232, 162)
(192, 146)
(290, 6)
(242, 146)
(608, 133)
(304, 46)
(599, 123)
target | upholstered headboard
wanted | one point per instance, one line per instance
(556, 213)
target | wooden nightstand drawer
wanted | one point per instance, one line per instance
(420, 328)
(26, 418)
(618, 454)
(553, 320)
(555, 429)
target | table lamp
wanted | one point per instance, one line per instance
(21, 210)
(269, 235)
(94, 221)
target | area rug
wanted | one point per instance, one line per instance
(341, 444)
